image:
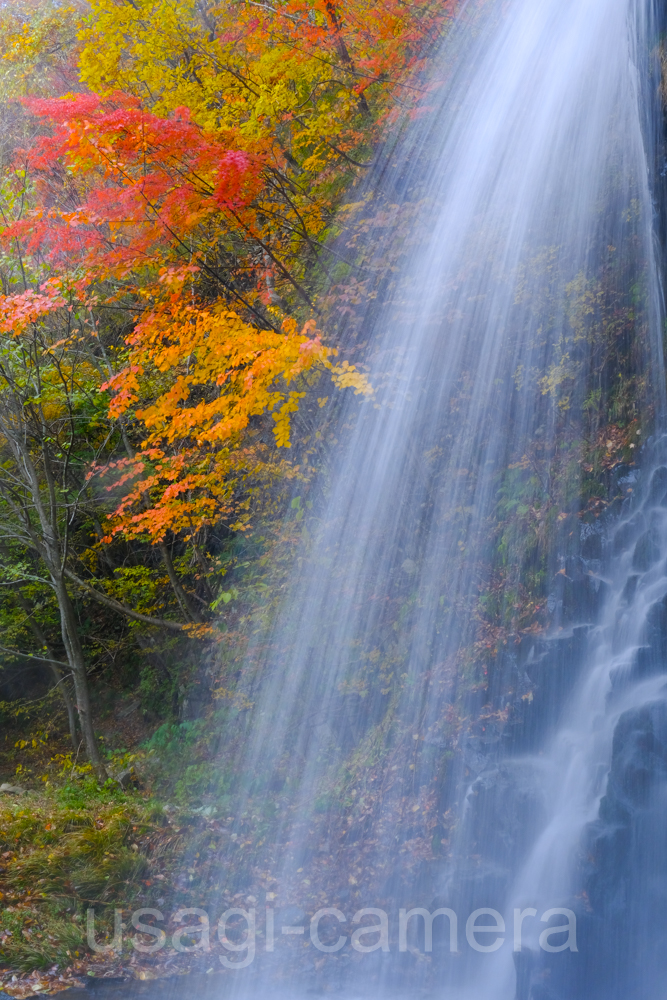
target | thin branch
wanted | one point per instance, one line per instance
(122, 609)
(32, 656)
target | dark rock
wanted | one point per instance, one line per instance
(627, 532)
(551, 667)
(630, 588)
(504, 811)
(658, 486)
(625, 875)
(591, 546)
(639, 755)
(195, 702)
(130, 709)
(353, 715)
(647, 551)
(128, 779)
(624, 475)
(579, 594)
(650, 658)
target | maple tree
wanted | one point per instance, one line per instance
(308, 89)
(171, 227)
(149, 182)
(247, 372)
(39, 46)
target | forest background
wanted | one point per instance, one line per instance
(184, 234)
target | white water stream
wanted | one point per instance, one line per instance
(616, 684)
(536, 210)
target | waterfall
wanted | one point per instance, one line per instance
(459, 702)
(602, 850)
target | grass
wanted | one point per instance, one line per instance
(59, 857)
(39, 937)
(68, 844)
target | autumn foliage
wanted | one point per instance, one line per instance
(172, 179)
(178, 211)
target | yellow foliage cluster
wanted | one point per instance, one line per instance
(222, 372)
(37, 40)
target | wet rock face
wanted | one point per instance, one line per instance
(621, 888)
(647, 550)
(657, 493)
(547, 672)
(623, 943)
(578, 592)
(638, 773)
(505, 809)
(652, 658)
(639, 755)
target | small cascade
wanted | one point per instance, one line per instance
(600, 786)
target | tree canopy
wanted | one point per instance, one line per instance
(170, 196)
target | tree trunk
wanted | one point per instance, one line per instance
(76, 660)
(341, 48)
(181, 596)
(60, 683)
(69, 705)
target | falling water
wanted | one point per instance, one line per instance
(525, 275)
